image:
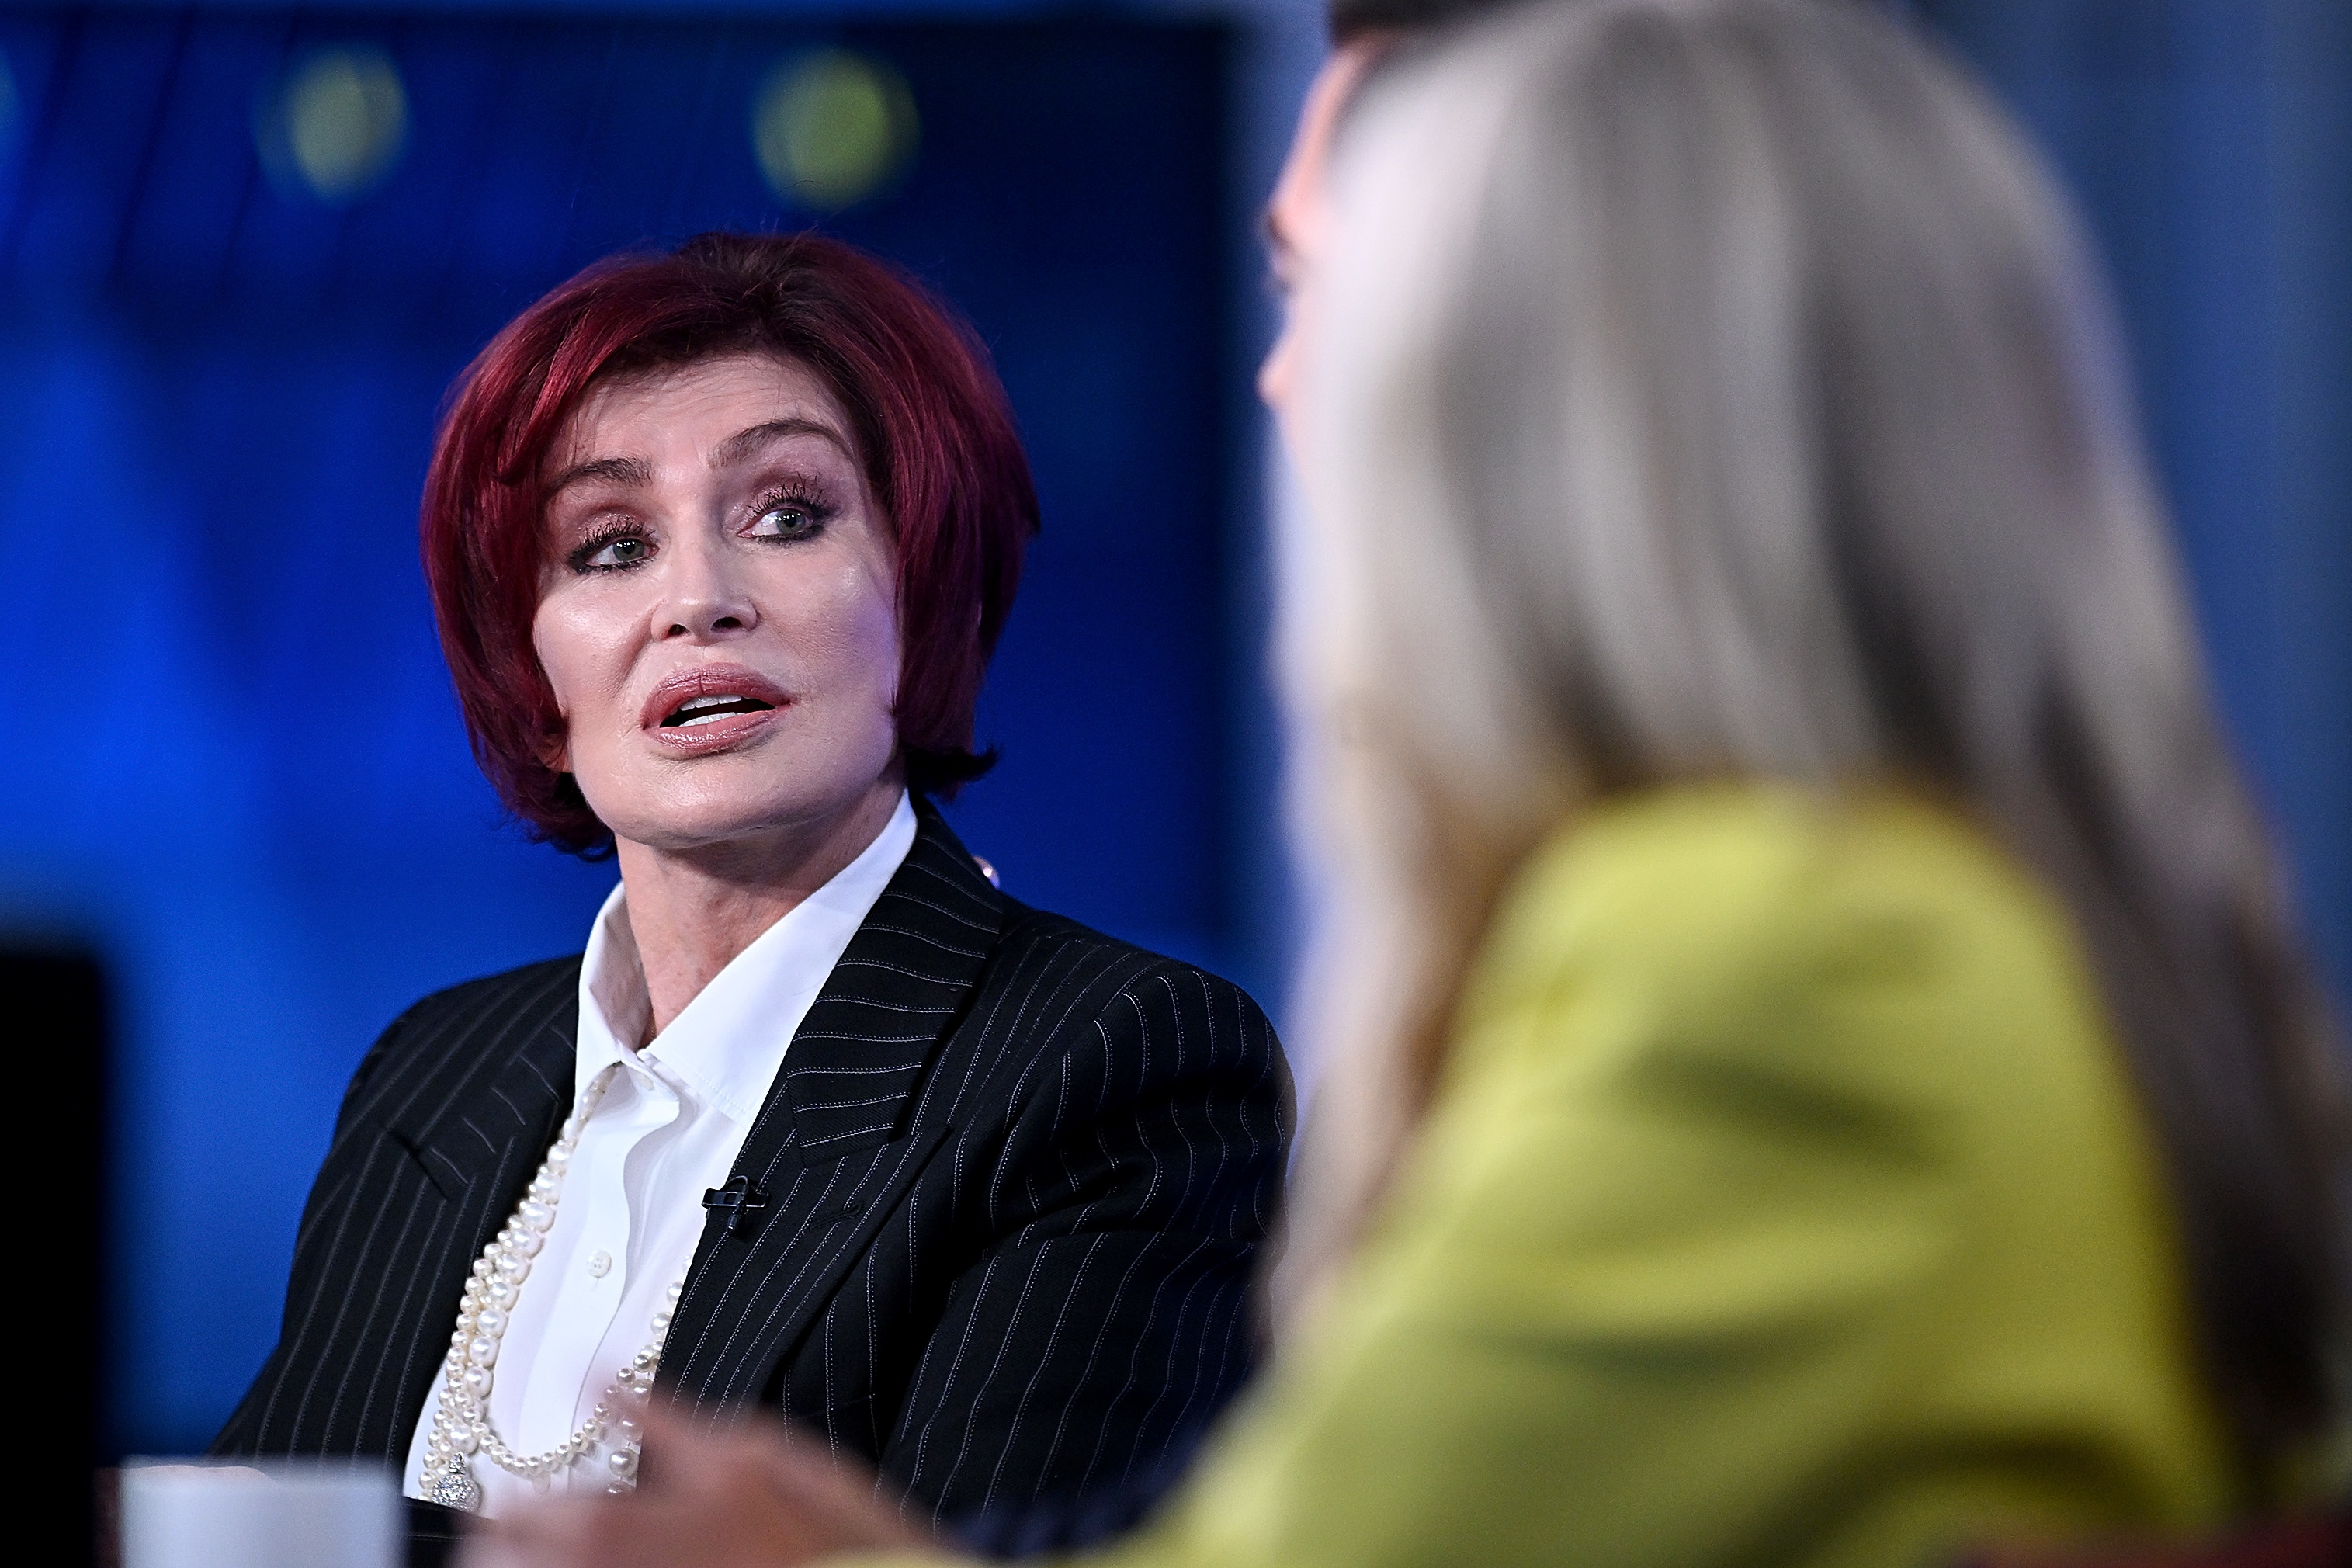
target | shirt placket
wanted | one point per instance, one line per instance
(596, 1276)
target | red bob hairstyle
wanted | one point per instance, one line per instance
(933, 429)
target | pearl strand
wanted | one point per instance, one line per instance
(461, 1421)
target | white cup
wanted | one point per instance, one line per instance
(180, 1515)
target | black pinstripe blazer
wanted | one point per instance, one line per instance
(1017, 1175)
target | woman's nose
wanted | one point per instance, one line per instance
(701, 598)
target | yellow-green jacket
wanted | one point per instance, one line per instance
(1785, 1202)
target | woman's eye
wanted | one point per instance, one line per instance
(628, 549)
(786, 522)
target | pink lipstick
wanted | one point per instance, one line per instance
(710, 707)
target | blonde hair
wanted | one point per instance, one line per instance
(1721, 388)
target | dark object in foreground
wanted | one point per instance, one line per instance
(55, 1002)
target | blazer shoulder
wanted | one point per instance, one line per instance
(494, 1016)
(496, 1001)
(1039, 939)
(526, 987)
(1064, 991)
(1095, 1059)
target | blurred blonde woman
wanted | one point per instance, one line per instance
(1816, 1066)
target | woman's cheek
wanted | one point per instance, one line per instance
(851, 631)
(582, 647)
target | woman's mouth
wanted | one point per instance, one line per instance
(713, 707)
(709, 710)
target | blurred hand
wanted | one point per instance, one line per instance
(739, 1501)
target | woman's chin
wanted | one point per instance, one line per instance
(714, 825)
(705, 832)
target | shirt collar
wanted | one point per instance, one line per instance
(728, 1042)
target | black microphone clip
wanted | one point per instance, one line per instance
(739, 1201)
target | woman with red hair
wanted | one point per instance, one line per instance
(820, 1122)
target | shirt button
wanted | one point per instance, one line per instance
(600, 1263)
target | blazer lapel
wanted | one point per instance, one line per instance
(836, 1138)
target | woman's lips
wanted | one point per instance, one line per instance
(710, 707)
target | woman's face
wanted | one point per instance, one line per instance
(718, 609)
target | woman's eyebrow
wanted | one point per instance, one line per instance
(743, 443)
(612, 470)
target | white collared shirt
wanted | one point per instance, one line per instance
(667, 1131)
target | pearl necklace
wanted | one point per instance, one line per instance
(461, 1423)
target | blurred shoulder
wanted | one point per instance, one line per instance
(1799, 932)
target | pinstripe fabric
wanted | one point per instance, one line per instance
(1017, 1175)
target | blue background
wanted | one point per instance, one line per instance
(227, 748)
